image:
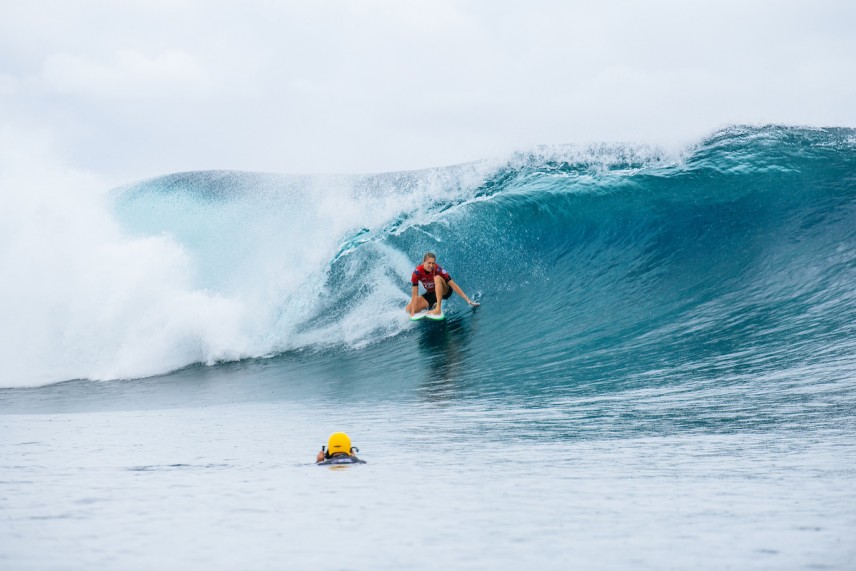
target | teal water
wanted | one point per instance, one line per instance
(661, 374)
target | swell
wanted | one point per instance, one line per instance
(736, 263)
(624, 263)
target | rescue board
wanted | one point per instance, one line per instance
(340, 461)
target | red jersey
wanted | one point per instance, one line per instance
(427, 279)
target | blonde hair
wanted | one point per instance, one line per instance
(431, 255)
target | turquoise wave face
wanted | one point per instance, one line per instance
(738, 259)
(604, 264)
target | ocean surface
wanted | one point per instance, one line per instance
(661, 374)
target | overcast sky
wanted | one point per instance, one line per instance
(133, 89)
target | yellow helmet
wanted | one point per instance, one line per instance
(339, 442)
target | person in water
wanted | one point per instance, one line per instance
(438, 285)
(339, 451)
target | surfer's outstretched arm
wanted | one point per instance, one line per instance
(461, 293)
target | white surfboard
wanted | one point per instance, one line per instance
(425, 315)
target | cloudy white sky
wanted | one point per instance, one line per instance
(139, 88)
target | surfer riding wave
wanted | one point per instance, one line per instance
(438, 285)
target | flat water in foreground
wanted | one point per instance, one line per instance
(450, 483)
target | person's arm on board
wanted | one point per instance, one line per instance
(413, 296)
(461, 293)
